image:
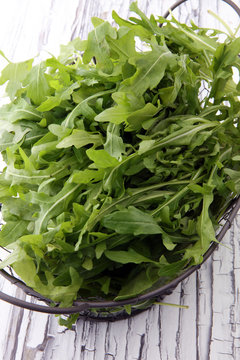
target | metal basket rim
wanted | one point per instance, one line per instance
(180, 2)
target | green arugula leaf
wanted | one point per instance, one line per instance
(80, 138)
(61, 95)
(51, 207)
(83, 109)
(205, 228)
(114, 143)
(19, 110)
(151, 67)
(123, 47)
(136, 119)
(36, 84)
(86, 176)
(127, 103)
(135, 286)
(125, 257)
(14, 74)
(12, 231)
(97, 46)
(101, 158)
(131, 221)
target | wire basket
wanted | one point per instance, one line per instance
(100, 309)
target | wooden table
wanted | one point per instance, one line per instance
(210, 327)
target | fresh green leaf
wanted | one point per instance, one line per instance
(125, 257)
(101, 158)
(131, 221)
(97, 46)
(37, 85)
(80, 138)
(12, 231)
(14, 74)
(19, 110)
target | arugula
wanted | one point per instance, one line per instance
(118, 170)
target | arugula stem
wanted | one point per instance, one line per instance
(75, 112)
(180, 194)
(132, 197)
(170, 304)
(215, 168)
(221, 21)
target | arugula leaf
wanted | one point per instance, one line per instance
(80, 138)
(53, 206)
(86, 176)
(83, 109)
(136, 119)
(127, 103)
(125, 257)
(131, 221)
(204, 226)
(64, 93)
(36, 84)
(18, 110)
(135, 286)
(12, 231)
(114, 143)
(122, 47)
(14, 74)
(101, 158)
(151, 67)
(97, 46)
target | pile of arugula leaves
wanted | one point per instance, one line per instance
(121, 156)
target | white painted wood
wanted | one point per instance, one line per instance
(210, 328)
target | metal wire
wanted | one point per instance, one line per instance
(179, 2)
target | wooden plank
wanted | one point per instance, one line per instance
(225, 313)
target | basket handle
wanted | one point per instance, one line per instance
(179, 2)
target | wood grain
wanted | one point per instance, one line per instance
(210, 328)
